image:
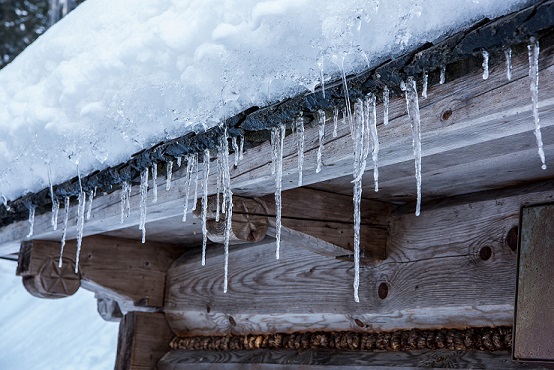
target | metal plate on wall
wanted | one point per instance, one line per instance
(534, 312)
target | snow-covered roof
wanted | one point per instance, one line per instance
(117, 77)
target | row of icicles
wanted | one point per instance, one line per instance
(362, 121)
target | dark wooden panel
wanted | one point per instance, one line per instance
(315, 360)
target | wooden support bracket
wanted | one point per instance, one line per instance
(125, 274)
(314, 219)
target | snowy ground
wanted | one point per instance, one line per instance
(41, 334)
(116, 77)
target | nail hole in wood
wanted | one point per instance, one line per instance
(446, 115)
(232, 321)
(383, 290)
(511, 238)
(485, 253)
(359, 323)
(208, 309)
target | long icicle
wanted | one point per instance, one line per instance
(386, 102)
(359, 136)
(80, 226)
(413, 108)
(219, 177)
(228, 199)
(64, 233)
(277, 143)
(154, 182)
(143, 199)
(321, 115)
(335, 121)
(205, 204)
(192, 162)
(54, 199)
(196, 179)
(533, 49)
(300, 145)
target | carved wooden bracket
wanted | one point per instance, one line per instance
(125, 274)
(313, 219)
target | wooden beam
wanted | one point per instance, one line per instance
(453, 266)
(120, 269)
(143, 340)
(481, 114)
(312, 216)
(321, 360)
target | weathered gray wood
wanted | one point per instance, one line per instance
(314, 360)
(143, 340)
(115, 268)
(450, 267)
(483, 112)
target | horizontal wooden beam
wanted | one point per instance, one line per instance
(321, 360)
(454, 266)
(468, 112)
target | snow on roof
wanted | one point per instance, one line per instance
(116, 77)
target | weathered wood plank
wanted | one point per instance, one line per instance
(315, 360)
(143, 340)
(482, 112)
(117, 268)
(450, 267)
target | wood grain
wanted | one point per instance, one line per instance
(142, 341)
(314, 360)
(120, 269)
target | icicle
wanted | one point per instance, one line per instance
(485, 64)
(321, 115)
(64, 234)
(346, 95)
(299, 123)
(386, 102)
(335, 121)
(320, 64)
(241, 149)
(89, 208)
(443, 75)
(235, 149)
(205, 204)
(31, 220)
(219, 171)
(413, 107)
(143, 198)
(53, 198)
(79, 177)
(154, 182)
(5, 203)
(80, 226)
(508, 54)
(359, 136)
(55, 211)
(425, 83)
(196, 182)
(228, 203)
(277, 143)
(125, 200)
(372, 123)
(179, 161)
(169, 174)
(192, 163)
(533, 49)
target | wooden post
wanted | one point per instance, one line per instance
(143, 340)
